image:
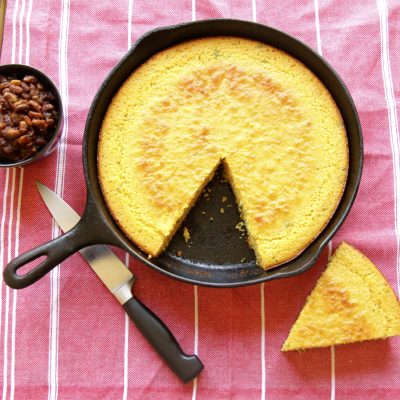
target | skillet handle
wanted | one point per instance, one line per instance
(55, 251)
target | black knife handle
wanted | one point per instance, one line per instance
(163, 341)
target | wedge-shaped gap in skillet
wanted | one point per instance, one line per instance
(213, 230)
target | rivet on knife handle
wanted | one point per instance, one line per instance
(153, 329)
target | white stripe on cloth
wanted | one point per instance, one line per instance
(126, 342)
(333, 367)
(317, 29)
(59, 189)
(319, 48)
(195, 289)
(14, 31)
(393, 123)
(7, 306)
(196, 335)
(196, 320)
(14, 306)
(193, 10)
(254, 10)
(130, 10)
(53, 335)
(126, 357)
(333, 378)
(263, 373)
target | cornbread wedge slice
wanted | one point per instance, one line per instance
(351, 302)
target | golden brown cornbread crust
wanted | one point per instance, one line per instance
(351, 302)
(260, 111)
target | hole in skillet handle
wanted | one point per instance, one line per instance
(55, 251)
(24, 269)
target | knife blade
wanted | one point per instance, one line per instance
(119, 280)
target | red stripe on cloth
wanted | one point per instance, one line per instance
(207, 9)
(294, 17)
(8, 34)
(149, 15)
(230, 343)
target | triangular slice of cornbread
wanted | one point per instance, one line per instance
(351, 302)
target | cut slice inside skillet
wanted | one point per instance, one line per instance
(213, 222)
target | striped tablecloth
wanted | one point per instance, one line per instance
(67, 338)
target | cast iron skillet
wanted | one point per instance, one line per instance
(215, 255)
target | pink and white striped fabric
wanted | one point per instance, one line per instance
(67, 338)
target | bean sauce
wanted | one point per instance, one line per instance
(28, 117)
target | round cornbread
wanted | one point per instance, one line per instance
(259, 111)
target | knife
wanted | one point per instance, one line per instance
(119, 280)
